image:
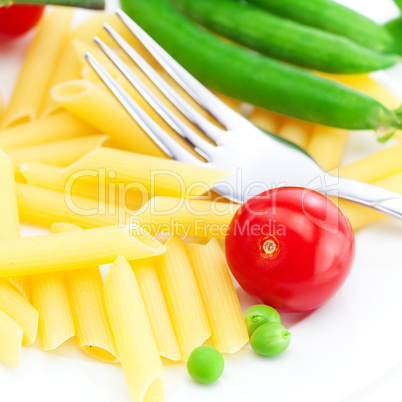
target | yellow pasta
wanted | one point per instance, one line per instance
(376, 166)
(147, 278)
(133, 335)
(95, 105)
(61, 153)
(156, 176)
(42, 207)
(39, 63)
(10, 340)
(296, 131)
(52, 177)
(228, 328)
(17, 307)
(361, 216)
(61, 126)
(182, 297)
(49, 295)
(74, 250)
(85, 288)
(9, 220)
(326, 146)
(267, 120)
(201, 218)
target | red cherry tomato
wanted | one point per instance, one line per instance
(18, 19)
(290, 248)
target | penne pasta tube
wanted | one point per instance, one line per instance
(10, 340)
(360, 216)
(39, 63)
(201, 218)
(133, 335)
(9, 219)
(85, 288)
(374, 167)
(42, 207)
(156, 176)
(96, 106)
(52, 178)
(17, 307)
(61, 153)
(326, 146)
(49, 295)
(59, 127)
(74, 250)
(183, 298)
(296, 131)
(228, 328)
(267, 120)
(151, 292)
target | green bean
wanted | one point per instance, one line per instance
(256, 79)
(284, 39)
(332, 17)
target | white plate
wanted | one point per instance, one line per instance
(349, 350)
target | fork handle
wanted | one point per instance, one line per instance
(371, 196)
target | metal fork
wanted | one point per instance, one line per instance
(257, 161)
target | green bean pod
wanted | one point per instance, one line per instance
(284, 39)
(257, 79)
(394, 27)
(332, 17)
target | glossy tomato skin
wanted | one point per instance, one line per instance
(18, 19)
(290, 248)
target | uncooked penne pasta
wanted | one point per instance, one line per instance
(10, 340)
(9, 220)
(156, 176)
(50, 296)
(17, 307)
(155, 305)
(376, 166)
(228, 328)
(95, 105)
(267, 120)
(296, 131)
(133, 335)
(61, 153)
(201, 218)
(42, 207)
(183, 298)
(62, 126)
(74, 250)
(360, 216)
(52, 178)
(39, 63)
(86, 295)
(326, 146)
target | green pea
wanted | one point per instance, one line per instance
(270, 339)
(260, 314)
(205, 364)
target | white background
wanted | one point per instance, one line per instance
(349, 350)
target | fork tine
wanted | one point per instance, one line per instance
(181, 104)
(203, 147)
(155, 132)
(223, 113)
